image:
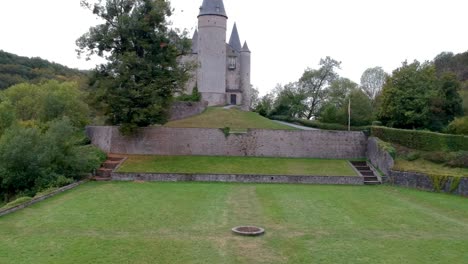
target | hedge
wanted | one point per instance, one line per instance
(421, 140)
(318, 125)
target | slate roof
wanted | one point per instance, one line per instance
(234, 41)
(212, 7)
(245, 48)
(195, 42)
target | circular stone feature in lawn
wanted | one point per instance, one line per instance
(248, 231)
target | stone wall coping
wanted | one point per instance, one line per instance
(237, 178)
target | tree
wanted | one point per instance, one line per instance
(265, 105)
(289, 101)
(372, 81)
(48, 101)
(254, 98)
(313, 84)
(336, 97)
(142, 72)
(416, 98)
(361, 109)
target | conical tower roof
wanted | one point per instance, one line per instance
(212, 8)
(234, 41)
(245, 48)
(195, 42)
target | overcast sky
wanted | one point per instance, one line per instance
(285, 37)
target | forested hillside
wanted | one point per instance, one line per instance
(15, 69)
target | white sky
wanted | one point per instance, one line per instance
(285, 37)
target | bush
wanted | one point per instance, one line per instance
(32, 159)
(412, 156)
(387, 147)
(459, 126)
(421, 140)
(459, 160)
(194, 97)
(437, 157)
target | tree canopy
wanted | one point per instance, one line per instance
(15, 69)
(137, 83)
(415, 97)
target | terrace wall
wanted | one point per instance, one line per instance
(213, 142)
(424, 182)
(182, 110)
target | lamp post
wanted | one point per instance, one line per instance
(349, 114)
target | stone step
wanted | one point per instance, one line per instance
(101, 179)
(113, 157)
(364, 168)
(367, 173)
(111, 164)
(103, 172)
(359, 163)
(370, 178)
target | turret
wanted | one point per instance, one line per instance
(245, 75)
(212, 22)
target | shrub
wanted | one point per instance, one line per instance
(459, 126)
(412, 156)
(194, 97)
(421, 140)
(377, 123)
(459, 159)
(387, 147)
(437, 157)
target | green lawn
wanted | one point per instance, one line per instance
(237, 165)
(424, 166)
(190, 223)
(216, 117)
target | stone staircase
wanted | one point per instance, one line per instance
(370, 178)
(105, 172)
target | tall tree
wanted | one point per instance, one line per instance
(313, 84)
(142, 71)
(416, 98)
(372, 81)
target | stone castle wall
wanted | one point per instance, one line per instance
(213, 142)
(182, 110)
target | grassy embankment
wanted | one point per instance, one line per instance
(237, 120)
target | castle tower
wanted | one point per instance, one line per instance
(245, 75)
(211, 79)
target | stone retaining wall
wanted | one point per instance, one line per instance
(379, 157)
(233, 178)
(182, 110)
(213, 142)
(424, 182)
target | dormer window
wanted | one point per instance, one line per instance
(232, 63)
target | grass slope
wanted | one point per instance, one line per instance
(190, 223)
(216, 117)
(237, 165)
(424, 166)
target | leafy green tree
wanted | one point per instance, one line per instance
(289, 101)
(33, 158)
(361, 109)
(48, 101)
(7, 116)
(416, 98)
(336, 96)
(265, 105)
(313, 84)
(142, 72)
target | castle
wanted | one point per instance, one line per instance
(222, 75)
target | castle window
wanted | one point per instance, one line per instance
(232, 63)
